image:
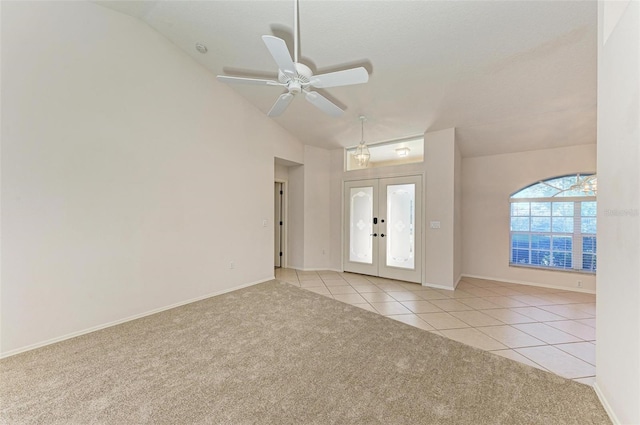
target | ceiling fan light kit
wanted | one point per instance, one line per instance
(298, 78)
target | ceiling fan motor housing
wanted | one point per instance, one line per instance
(295, 83)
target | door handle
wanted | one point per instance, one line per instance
(373, 234)
(375, 220)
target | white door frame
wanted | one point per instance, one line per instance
(377, 268)
(285, 218)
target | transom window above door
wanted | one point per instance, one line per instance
(396, 152)
(553, 224)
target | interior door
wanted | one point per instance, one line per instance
(277, 224)
(383, 232)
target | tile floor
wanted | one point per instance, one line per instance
(550, 329)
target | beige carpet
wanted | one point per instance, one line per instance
(276, 354)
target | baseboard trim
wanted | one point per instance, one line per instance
(521, 282)
(433, 285)
(315, 270)
(455, 285)
(127, 319)
(606, 405)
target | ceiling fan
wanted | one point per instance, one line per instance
(298, 78)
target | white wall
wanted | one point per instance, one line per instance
(281, 172)
(309, 208)
(295, 228)
(457, 215)
(335, 209)
(618, 293)
(440, 161)
(130, 176)
(317, 169)
(488, 182)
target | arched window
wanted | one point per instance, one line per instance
(553, 224)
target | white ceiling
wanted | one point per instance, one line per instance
(510, 76)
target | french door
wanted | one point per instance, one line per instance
(383, 232)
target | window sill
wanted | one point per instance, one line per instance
(551, 269)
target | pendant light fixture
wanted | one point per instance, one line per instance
(362, 154)
(588, 184)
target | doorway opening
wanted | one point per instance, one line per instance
(278, 224)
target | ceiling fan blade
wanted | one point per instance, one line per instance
(340, 78)
(278, 49)
(322, 103)
(281, 104)
(242, 80)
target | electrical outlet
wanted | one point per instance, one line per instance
(232, 265)
(579, 284)
(264, 223)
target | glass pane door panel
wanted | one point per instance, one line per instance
(401, 200)
(361, 224)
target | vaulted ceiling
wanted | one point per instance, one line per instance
(510, 76)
